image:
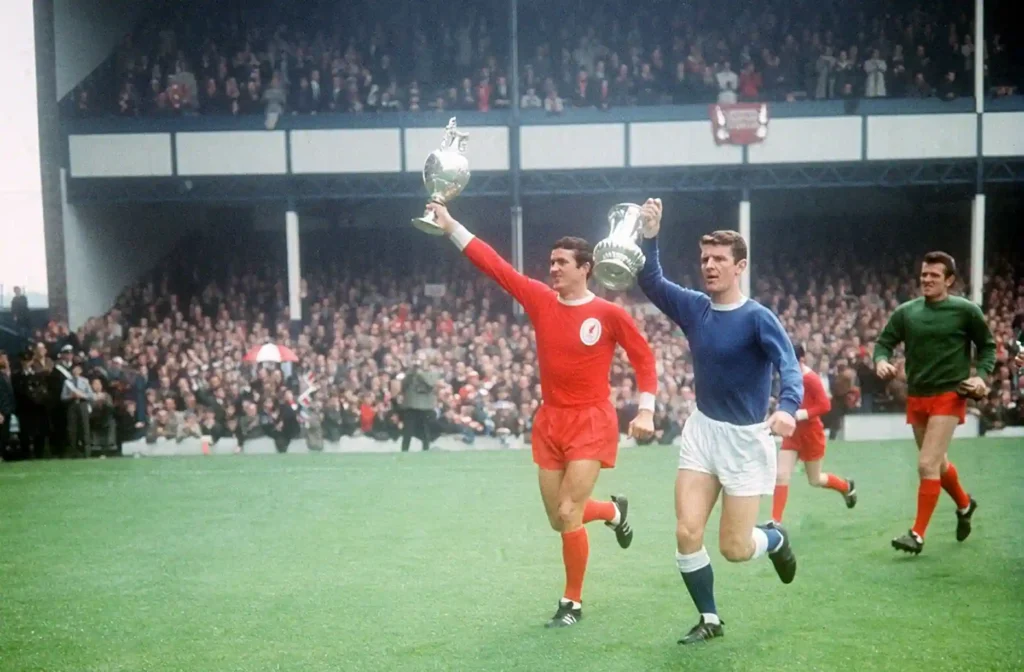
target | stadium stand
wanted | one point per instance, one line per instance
(166, 361)
(359, 58)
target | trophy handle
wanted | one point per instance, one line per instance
(618, 212)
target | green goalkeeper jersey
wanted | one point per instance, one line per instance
(937, 338)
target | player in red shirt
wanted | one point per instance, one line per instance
(575, 431)
(808, 444)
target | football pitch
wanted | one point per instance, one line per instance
(444, 561)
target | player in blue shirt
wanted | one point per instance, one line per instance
(726, 443)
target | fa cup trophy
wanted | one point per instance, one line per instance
(618, 258)
(445, 175)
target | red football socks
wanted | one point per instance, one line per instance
(781, 494)
(779, 502)
(595, 510)
(575, 551)
(837, 484)
(951, 484)
(927, 497)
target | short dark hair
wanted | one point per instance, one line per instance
(580, 248)
(798, 350)
(942, 258)
(731, 239)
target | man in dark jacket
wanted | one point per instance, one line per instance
(6, 403)
(20, 312)
(419, 403)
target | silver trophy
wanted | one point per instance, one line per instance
(618, 258)
(445, 174)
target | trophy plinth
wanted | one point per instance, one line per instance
(445, 175)
(618, 259)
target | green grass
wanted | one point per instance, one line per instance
(444, 561)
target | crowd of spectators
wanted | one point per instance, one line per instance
(362, 57)
(167, 361)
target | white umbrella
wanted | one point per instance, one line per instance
(268, 352)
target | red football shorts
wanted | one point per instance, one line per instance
(809, 446)
(919, 409)
(563, 435)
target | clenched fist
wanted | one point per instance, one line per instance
(650, 212)
(442, 217)
(782, 424)
(974, 388)
(885, 370)
(642, 426)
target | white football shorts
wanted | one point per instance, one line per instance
(742, 457)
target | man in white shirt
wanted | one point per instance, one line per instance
(728, 83)
(77, 395)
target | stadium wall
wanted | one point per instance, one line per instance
(86, 33)
(348, 444)
(884, 430)
(894, 427)
(107, 247)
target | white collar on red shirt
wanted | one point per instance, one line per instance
(582, 301)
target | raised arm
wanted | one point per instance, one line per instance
(640, 356)
(523, 289)
(779, 349)
(680, 305)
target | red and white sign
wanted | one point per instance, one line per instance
(739, 123)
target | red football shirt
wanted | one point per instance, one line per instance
(575, 340)
(816, 403)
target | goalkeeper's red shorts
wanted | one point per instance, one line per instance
(563, 435)
(919, 409)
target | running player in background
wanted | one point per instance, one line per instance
(937, 331)
(808, 444)
(726, 444)
(576, 431)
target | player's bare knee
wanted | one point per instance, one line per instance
(569, 515)
(735, 549)
(689, 538)
(928, 466)
(782, 479)
(555, 522)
